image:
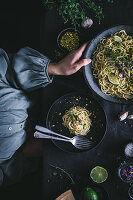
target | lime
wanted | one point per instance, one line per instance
(89, 194)
(117, 38)
(99, 174)
(113, 79)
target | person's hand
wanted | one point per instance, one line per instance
(70, 64)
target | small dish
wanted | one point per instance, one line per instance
(125, 172)
(72, 38)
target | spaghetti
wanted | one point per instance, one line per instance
(112, 64)
(77, 120)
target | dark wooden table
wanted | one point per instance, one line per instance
(109, 153)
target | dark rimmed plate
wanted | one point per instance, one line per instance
(64, 103)
(90, 79)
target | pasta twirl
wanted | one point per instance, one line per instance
(77, 120)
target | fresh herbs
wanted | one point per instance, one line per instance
(119, 57)
(75, 10)
(62, 171)
(117, 43)
(73, 117)
(84, 126)
(131, 80)
(76, 119)
(108, 52)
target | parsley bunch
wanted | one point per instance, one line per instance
(74, 10)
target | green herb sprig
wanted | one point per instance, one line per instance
(63, 171)
(75, 10)
(73, 116)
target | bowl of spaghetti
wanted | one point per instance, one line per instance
(77, 114)
(110, 74)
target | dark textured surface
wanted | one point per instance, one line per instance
(109, 153)
(19, 24)
(28, 188)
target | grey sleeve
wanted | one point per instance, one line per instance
(1, 176)
(30, 69)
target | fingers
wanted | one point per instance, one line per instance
(78, 53)
(82, 48)
(82, 63)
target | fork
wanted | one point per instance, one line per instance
(80, 142)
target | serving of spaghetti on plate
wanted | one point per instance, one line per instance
(77, 120)
(76, 114)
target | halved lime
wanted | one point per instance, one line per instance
(89, 194)
(113, 79)
(99, 174)
(117, 38)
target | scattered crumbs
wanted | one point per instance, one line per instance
(86, 104)
(54, 173)
(53, 125)
(90, 138)
(77, 99)
(59, 113)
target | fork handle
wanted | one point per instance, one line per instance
(42, 135)
(45, 130)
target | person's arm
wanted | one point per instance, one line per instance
(33, 70)
(30, 69)
(70, 64)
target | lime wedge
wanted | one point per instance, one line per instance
(89, 194)
(113, 79)
(117, 38)
(99, 174)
